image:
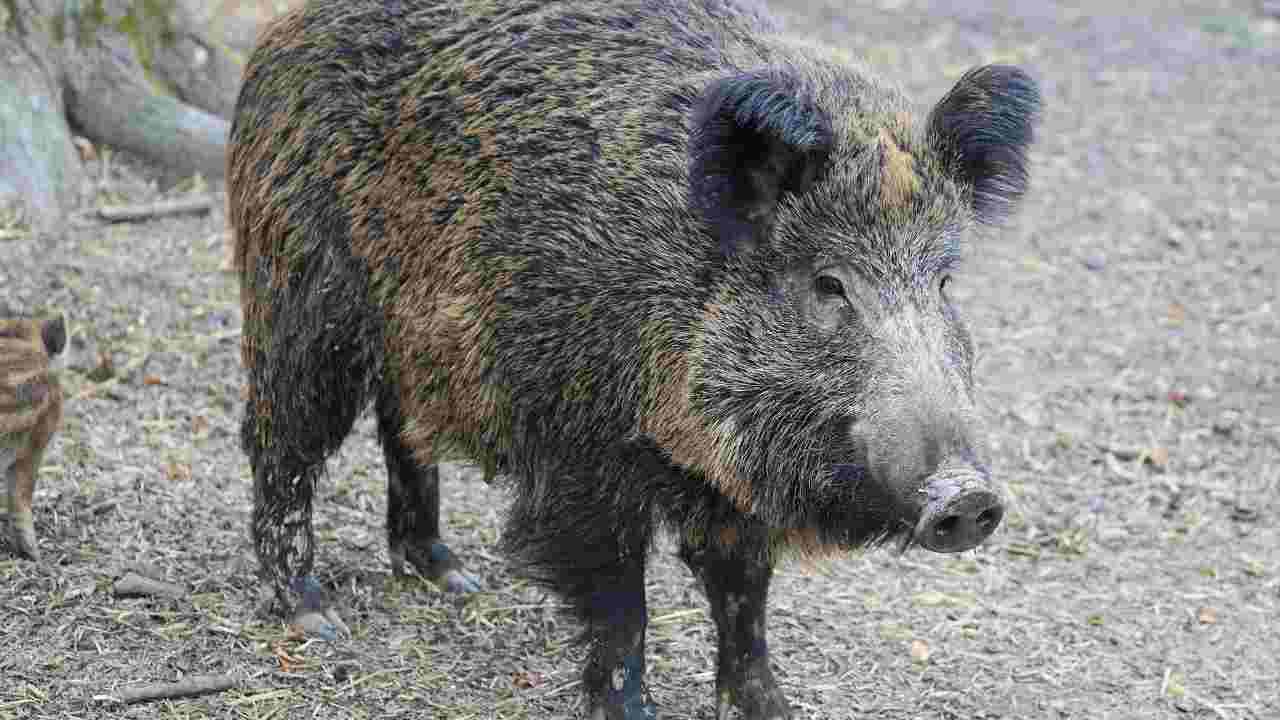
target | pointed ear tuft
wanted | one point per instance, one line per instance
(756, 137)
(985, 126)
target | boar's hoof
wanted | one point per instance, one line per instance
(437, 563)
(757, 696)
(636, 708)
(22, 533)
(315, 616)
(326, 625)
(958, 516)
(769, 708)
(456, 581)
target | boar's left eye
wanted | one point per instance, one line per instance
(944, 283)
(829, 286)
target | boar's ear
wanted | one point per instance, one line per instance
(54, 334)
(984, 127)
(755, 138)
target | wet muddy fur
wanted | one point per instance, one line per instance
(560, 239)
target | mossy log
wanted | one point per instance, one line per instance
(146, 76)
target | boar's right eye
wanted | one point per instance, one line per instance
(829, 286)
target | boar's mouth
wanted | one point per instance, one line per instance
(951, 507)
(842, 483)
(950, 511)
(922, 467)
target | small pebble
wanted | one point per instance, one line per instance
(1226, 424)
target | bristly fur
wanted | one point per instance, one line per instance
(29, 386)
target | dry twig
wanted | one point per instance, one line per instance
(147, 211)
(133, 584)
(187, 687)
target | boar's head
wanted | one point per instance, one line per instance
(832, 371)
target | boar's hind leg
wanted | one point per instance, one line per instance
(285, 470)
(312, 348)
(286, 546)
(413, 514)
(734, 568)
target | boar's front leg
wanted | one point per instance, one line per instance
(589, 539)
(734, 567)
(614, 675)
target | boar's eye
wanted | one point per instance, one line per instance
(829, 286)
(944, 283)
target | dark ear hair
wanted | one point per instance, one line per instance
(54, 334)
(984, 127)
(755, 137)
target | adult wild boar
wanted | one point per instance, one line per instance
(656, 261)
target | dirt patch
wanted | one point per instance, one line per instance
(1128, 336)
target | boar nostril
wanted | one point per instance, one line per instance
(988, 519)
(946, 527)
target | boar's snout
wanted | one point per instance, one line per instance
(947, 499)
(960, 512)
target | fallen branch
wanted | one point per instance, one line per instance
(147, 211)
(188, 687)
(134, 585)
(103, 507)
